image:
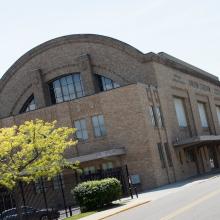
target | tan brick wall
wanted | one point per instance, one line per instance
(145, 80)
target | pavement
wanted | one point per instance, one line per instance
(166, 202)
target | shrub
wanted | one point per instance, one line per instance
(95, 194)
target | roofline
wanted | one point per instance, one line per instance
(170, 58)
(93, 38)
(111, 42)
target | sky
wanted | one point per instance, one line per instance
(188, 30)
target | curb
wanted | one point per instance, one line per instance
(123, 210)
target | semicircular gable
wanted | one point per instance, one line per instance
(73, 53)
(66, 40)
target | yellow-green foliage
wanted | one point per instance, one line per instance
(33, 150)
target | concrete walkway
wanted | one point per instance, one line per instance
(145, 197)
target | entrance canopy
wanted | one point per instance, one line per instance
(198, 140)
(98, 155)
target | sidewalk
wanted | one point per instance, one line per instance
(148, 196)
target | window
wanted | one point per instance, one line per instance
(107, 166)
(161, 154)
(106, 83)
(66, 88)
(98, 125)
(202, 114)
(57, 181)
(29, 105)
(152, 115)
(168, 153)
(40, 185)
(190, 156)
(89, 170)
(81, 132)
(180, 112)
(159, 116)
(218, 113)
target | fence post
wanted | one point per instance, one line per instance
(63, 195)
(76, 176)
(70, 210)
(22, 193)
(44, 194)
(129, 181)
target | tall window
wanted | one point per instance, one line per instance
(180, 112)
(203, 115)
(168, 153)
(153, 116)
(190, 156)
(159, 116)
(161, 154)
(107, 166)
(58, 182)
(66, 88)
(81, 132)
(29, 105)
(40, 185)
(89, 170)
(106, 83)
(218, 113)
(98, 125)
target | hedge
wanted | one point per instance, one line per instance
(95, 194)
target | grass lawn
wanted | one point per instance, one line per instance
(81, 215)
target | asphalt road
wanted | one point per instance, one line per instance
(200, 201)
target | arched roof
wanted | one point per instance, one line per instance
(88, 38)
(108, 41)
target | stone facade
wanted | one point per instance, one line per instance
(145, 80)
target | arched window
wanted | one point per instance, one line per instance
(66, 88)
(106, 83)
(29, 105)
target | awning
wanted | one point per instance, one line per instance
(198, 140)
(98, 155)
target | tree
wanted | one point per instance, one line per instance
(33, 150)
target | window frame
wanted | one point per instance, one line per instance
(62, 87)
(183, 106)
(40, 185)
(82, 130)
(153, 115)
(161, 155)
(218, 113)
(57, 183)
(102, 131)
(103, 84)
(160, 122)
(199, 103)
(27, 103)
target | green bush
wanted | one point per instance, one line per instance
(95, 194)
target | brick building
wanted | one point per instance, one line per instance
(153, 112)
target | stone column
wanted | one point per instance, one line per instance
(213, 116)
(38, 88)
(85, 67)
(195, 113)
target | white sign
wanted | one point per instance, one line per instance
(135, 179)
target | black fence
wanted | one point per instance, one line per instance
(53, 199)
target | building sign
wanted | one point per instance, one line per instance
(135, 179)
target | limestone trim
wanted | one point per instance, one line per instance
(98, 155)
(197, 140)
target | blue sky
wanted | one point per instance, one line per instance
(189, 29)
